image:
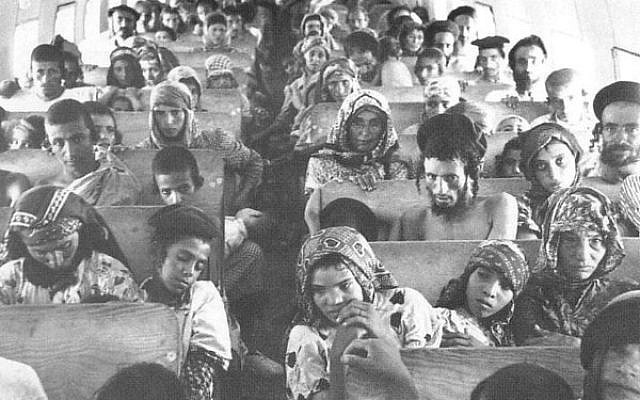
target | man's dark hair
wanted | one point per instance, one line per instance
(175, 159)
(213, 4)
(47, 52)
(463, 10)
(350, 212)
(93, 107)
(449, 137)
(215, 18)
(142, 381)
(531, 40)
(247, 11)
(69, 110)
(170, 10)
(171, 32)
(231, 10)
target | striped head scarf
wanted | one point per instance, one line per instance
(172, 94)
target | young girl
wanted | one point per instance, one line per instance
(182, 236)
(125, 70)
(340, 283)
(475, 309)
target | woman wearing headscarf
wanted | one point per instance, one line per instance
(476, 308)
(173, 123)
(58, 249)
(550, 156)
(580, 248)
(183, 238)
(360, 147)
(188, 76)
(341, 285)
(125, 71)
(337, 79)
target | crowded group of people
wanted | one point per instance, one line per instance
(313, 111)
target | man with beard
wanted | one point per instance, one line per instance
(617, 107)
(122, 32)
(72, 136)
(362, 48)
(47, 70)
(527, 60)
(464, 52)
(452, 156)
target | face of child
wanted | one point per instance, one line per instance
(487, 293)
(428, 71)
(567, 102)
(414, 40)
(554, 167)
(358, 21)
(171, 21)
(152, 72)
(444, 41)
(511, 126)
(170, 120)
(162, 36)
(333, 287)
(511, 163)
(216, 34)
(314, 58)
(106, 127)
(57, 254)
(183, 263)
(122, 71)
(234, 25)
(176, 187)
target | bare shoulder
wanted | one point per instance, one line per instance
(499, 202)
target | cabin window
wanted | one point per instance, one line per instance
(92, 18)
(66, 21)
(626, 64)
(24, 40)
(486, 19)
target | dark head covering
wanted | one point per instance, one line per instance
(503, 257)
(617, 91)
(491, 42)
(356, 253)
(463, 10)
(575, 209)
(49, 212)
(537, 138)
(450, 127)
(124, 8)
(339, 65)
(616, 325)
(350, 212)
(363, 40)
(441, 26)
(523, 381)
(179, 221)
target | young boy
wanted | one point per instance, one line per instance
(431, 64)
(215, 33)
(238, 36)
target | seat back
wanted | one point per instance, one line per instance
(75, 348)
(445, 374)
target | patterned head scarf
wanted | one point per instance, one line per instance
(338, 66)
(504, 257)
(630, 199)
(537, 138)
(184, 72)
(338, 138)
(47, 213)
(579, 209)
(357, 254)
(172, 94)
(218, 64)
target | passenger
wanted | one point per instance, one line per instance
(336, 80)
(122, 33)
(183, 238)
(412, 40)
(442, 35)
(104, 121)
(170, 18)
(523, 381)
(125, 71)
(47, 70)
(358, 20)
(188, 76)
(508, 162)
(215, 33)
(59, 250)
(512, 125)
(73, 75)
(527, 60)
(617, 108)
(567, 100)
(360, 147)
(492, 63)
(550, 161)
(151, 66)
(439, 94)
(172, 123)
(393, 72)
(332, 26)
(28, 133)
(352, 213)
(464, 53)
(581, 247)
(204, 8)
(144, 23)
(343, 290)
(476, 309)
(430, 65)
(609, 351)
(452, 155)
(142, 381)
(72, 137)
(238, 35)
(220, 73)
(165, 35)
(362, 48)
